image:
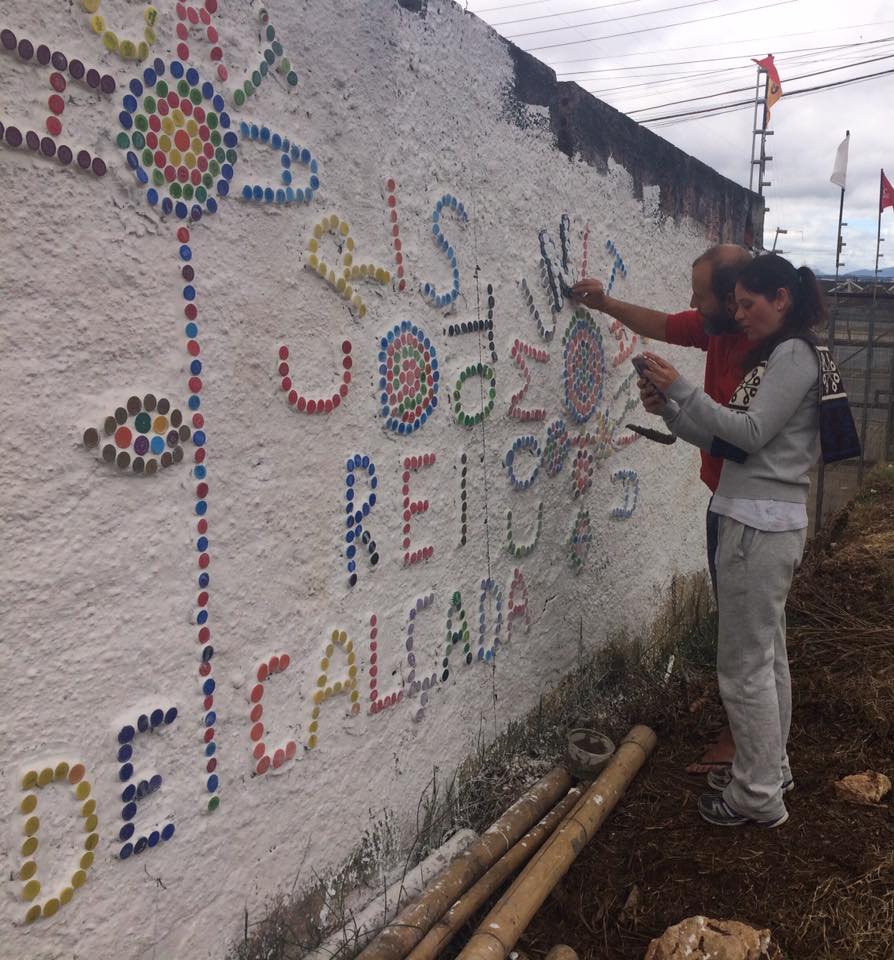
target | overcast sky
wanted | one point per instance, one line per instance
(807, 129)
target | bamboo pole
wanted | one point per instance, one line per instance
(363, 926)
(453, 920)
(502, 927)
(396, 940)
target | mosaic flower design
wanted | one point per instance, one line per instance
(178, 141)
(143, 436)
(584, 360)
(408, 365)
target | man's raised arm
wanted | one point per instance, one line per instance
(641, 320)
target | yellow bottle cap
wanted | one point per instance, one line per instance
(31, 890)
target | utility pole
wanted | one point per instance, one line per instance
(759, 136)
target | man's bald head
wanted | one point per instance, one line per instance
(714, 276)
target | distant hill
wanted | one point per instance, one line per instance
(887, 273)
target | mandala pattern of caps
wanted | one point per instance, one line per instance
(584, 366)
(178, 140)
(555, 451)
(408, 368)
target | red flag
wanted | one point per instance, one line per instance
(774, 87)
(887, 194)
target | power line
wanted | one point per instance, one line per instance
(737, 56)
(723, 108)
(724, 93)
(664, 26)
(569, 13)
(531, 3)
(724, 43)
(674, 80)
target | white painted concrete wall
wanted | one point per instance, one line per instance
(100, 620)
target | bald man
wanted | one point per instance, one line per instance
(708, 325)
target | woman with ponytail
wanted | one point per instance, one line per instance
(769, 437)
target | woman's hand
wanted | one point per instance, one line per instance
(660, 372)
(651, 399)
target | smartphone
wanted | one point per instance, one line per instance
(642, 365)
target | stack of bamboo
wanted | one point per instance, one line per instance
(547, 828)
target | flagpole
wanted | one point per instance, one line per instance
(870, 336)
(840, 220)
(878, 236)
(838, 248)
(821, 469)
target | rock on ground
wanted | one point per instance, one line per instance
(701, 938)
(866, 787)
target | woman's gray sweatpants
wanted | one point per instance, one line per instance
(754, 573)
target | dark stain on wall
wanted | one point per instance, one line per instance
(585, 126)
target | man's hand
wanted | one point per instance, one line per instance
(651, 398)
(590, 293)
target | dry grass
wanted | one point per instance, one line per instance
(613, 687)
(619, 684)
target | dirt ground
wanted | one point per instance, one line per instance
(823, 883)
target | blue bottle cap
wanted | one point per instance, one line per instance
(125, 734)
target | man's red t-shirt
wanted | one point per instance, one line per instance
(723, 369)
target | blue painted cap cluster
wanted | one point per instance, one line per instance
(355, 513)
(290, 153)
(429, 291)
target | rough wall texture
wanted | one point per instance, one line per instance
(592, 130)
(297, 496)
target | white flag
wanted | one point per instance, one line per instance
(839, 174)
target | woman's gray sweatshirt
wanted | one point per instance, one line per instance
(773, 421)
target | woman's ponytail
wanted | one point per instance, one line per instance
(809, 306)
